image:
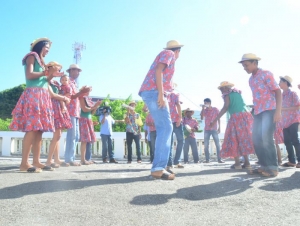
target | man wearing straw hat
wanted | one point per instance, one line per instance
(156, 84)
(74, 111)
(191, 126)
(290, 121)
(267, 111)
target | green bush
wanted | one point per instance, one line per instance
(4, 124)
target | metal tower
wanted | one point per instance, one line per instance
(77, 48)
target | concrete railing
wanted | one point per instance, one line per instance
(11, 144)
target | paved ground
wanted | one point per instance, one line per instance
(122, 194)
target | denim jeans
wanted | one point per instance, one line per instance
(180, 142)
(107, 147)
(262, 136)
(164, 127)
(129, 138)
(88, 152)
(152, 141)
(214, 134)
(72, 140)
(190, 141)
(290, 135)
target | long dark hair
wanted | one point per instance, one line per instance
(38, 49)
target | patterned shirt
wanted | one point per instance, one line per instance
(173, 100)
(192, 122)
(74, 106)
(166, 57)
(65, 89)
(210, 115)
(150, 123)
(263, 86)
(132, 127)
(290, 99)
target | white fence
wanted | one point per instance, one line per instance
(11, 144)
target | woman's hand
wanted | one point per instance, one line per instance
(54, 71)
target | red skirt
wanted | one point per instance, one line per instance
(238, 136)
(86, 128)
(61, 120)
(278, 135)
(33, 111)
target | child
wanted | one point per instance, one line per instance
(267, 111)
(86, 125)
(290, 121)
(65, 90)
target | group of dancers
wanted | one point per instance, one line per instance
(246, 133)
(47, 106)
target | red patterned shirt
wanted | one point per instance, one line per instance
(150, 123)
(74, 106)
(210, 114)
(166, 57)
(192, 122)
(263, 86)
(173, 100)
(290, 99)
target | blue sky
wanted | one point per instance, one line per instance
(123, 37)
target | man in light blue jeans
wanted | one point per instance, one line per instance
(156, 84)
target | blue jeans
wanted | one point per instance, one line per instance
(107, 146)
(88, 152)
(180, 142)
(190, 141)
(164, 127)
(72, 140)
(214, 134)
(262, 136)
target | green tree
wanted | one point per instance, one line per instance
(9, 99)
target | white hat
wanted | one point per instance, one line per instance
(226, 84)
(39, 40)
(249, 56)
(287, 78)
(173, 44)
(74, 66)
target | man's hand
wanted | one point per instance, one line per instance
(277, 116)
(219, 130)
(178, 123)
(161, 102)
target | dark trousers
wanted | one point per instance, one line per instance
(151, 150)
(129, 138)
(152, 141)
(190, 141)
(180, 142)
(88, 152)
(106, 147)
(290, 135)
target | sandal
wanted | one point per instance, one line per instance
(254, 171)
(31, 170)
(54, 165)
(288, 164)
(75, 164)
(164, 176)
(236, 167)
(179, 166)
(85, 163)
(248, 167)
(64, 164)
(169, 171)
(269, 173)
(47, 168)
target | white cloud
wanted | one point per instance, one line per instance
(244, 20)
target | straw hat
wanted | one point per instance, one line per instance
(249, 56)
(74, 66)
(132, 102)
(188, 109)
(173, 44)
(39, 40)
(226, 84)
(287, 78)
(53, 63)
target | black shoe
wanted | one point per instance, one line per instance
(113, 161)
(206, 161)
(220, 161)
(105, 161)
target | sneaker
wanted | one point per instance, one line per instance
(113, 161)
(129, 162)
(139, 161)
(220, 161)
(206, 161)
(105, 161)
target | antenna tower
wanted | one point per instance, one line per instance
(77, 48)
